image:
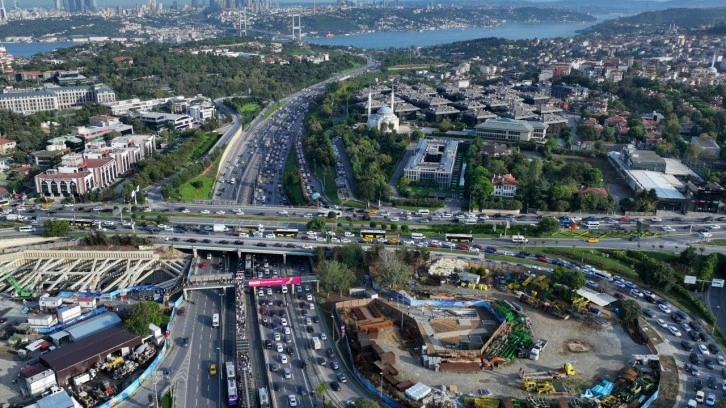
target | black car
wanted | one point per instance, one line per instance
(276, 386)
(702, 336)
(693, 335)
(695, 326)
(676, 318)
(185, 342)
(206, 241)
(634, 238)
(329, 353)
(238, 242)
(712, 348)
(712, 383)
(302, 391)
(698, 384)
(316, 319)
(687, 345)
(695, 360)
(224, 242)
(268, 344)
(649, 313)
(303, 364)
(680, 314)
(310, 329)
(289, 350)
(261, 244)
(710, 364)
(321, 361)
(334, 386)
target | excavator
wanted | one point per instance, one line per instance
(20, 291)
(493, 362)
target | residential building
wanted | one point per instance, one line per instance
(505, 185)
(50, 98)
(511, 130)
(710, 149)
(159, 120)
(432, 161)
(564, 91)
(493, 149)
(6, 145)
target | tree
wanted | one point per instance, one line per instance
(335, 276)
(688, 256)
(141, 315)
(56, 228)
(351, 255)
(365, 403)
(331, 215)
(629, 311)
(548, 225)
(391, 271)
(316, 224)
(694, 151)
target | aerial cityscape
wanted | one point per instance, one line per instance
(362, 204)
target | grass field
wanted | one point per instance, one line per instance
(211, 139)
(327, 178)
(187, 192)
(353, 203)
(249, 108)
(166, 401)
(293, 191)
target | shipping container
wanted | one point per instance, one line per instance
(66, 313)
(41, 320)
(50, 302)
(87, 302)
(40, 382)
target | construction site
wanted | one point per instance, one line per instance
(520, 345)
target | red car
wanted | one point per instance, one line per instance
(624, 219)
(477, 246)
(619, 295)
(434, 245)
(542, 259)
(462, 247)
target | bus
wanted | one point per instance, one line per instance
(232, 399)
(286, 233)
(215, 320)
(323, 212)
(370, 235)
(264, 398)
(4, 202)
(316, 343)
(459, 238)
(83, 223)
(602, 275)
(229, 368)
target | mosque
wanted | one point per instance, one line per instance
(384, 119)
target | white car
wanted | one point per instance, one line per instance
(721, 360)
(283, 321)
(323, 336)
(270, 235)
(394, 219)
(664, 308)
(220, 212)
(283, 212)
(185, 211)
(279, 348)
(204, 212)
(283, 359)
(307, 247)
(674, 331)
(309, 297)
(711, 399)
(714, 226)
(287, 331)
(239, 211)
(292, 400)
(704, 235)
(276, 336)
(656, 219)
(636, 293)
(345, 240)
(703, 349)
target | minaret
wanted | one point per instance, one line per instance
(393, 98)
(713, 61)
(3, 13)
(369, 103)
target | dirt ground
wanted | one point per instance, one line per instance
(595, 354)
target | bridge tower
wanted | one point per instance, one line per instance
(296, 27)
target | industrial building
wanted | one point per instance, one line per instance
(59, 399)
(38, 378)
(91, 326)
(75, 358)
(432, 161)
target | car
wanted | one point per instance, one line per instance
(212, 369)
(687, 345)
(712, 348)
(674, 331)
(698, 385)
(302, 391)
(334, 365)
(321, 361)
(283, 359)
(274, 367)
(695, 371)
(286, 329)
(720, 359)
(204, 212)
(329, 353)
(695, 359)
(342, 378)
(291, 400)
(323, 336)
(168, 371)
(710, 364)
(664, 308)
(662, 323)
(686, 327)
(276, 386)
(648, 312)
(334, 386)
(711, 399)
(703, 350)
(592, 240)
(276, 336)
(287, 373)
(634, 238)
(676, 318)
(279, 348)
(185, 342)
(712, 383)
(695, 326)
(636, 293)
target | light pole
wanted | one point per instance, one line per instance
(156, 376)
(380, 385)
(715, 321)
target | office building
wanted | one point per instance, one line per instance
(51, 98)
(511, 130)
(432, 161)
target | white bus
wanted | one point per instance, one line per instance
(215, 320)
(602, 275)
(417, 235)
(316, 343)
(423, 212)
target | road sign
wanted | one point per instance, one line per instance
(717, 283)
(689, 279)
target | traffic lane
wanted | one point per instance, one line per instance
(204, 389)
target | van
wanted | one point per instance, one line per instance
(417, 235)
(519, 239)
(423, 212)
(592, 224)
(700, 396)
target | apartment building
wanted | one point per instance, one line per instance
(50, 98)
(505, 185)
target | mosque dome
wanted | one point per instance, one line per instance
(385, 111)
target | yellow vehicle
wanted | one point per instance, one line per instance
(212, 369)
(592, 240)
(372, 212)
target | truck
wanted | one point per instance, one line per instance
(219, 228)
(84, 378)
(519, 239)
(537, 349)
(566, 371)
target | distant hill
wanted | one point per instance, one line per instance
(684, 18)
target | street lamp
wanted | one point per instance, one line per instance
(380, 386)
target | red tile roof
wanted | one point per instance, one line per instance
(504, 180)
(64, 176)
(6, 141)
(93, 163)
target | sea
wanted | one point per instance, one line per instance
(386, 39)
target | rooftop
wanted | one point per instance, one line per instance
(663, 184)
(92, 325)
(506, 124)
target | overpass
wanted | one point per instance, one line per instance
(99, 271)
(269, 250)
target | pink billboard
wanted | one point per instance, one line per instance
(288, 280)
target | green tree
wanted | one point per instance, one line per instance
(694, 151)
(365, 403)
(629, 311)
(316, 224)
(141, 315)
(351, 255)
(56, 228)
(331, 215)
(335, 276)
(688, 256)
(548, 225)
(572, 279)
(391, 271)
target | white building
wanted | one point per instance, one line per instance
(511, 130)
(126, 106)
(432, 160)
(50, 98)
(158, 120)
(505, 185)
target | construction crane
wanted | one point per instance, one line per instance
(21, 291)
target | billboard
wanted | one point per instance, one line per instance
(285, 280)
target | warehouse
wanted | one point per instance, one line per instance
(93, 325)
(75, 358)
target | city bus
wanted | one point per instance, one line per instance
(286, 233)
(371, 235)
(459, 238)
(232, 393)
(323, 212)
(215, 320)
(4, 202)
(229, 368)
(264, 398)
(83, 223)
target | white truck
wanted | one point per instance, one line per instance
(519, 239)
(84, 378)
(537, 349)
(219, 228)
